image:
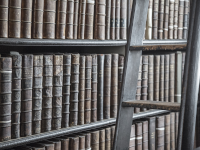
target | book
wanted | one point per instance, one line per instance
(108, 138)
(171, 19)
(112, 135)
(166, 20)
(47, 144)
(178, 77)
(57, 143)
(145, 133)
(155, 19)
(183, 65)
(117, 19)
(152, 132)
(75, 22)
(176, 7)
(144, 92)
(4, 18)
(102, 139)
(148, 31)
(138, 135)
(95, 140)
(123, 19)
(156, 77)
(112, 20)
(180, 19)
(167, 132)
(160, 132)
(81, 19)
(176, 128)
(171, 77)
(69, 19)
(132, 138)
(160, 19)
(185, 18)
(81, 142)
(172, 130)
(166, 78)
(74, 143)
(87, 140)
(108, 13)
(120, 75)
(150, 78)
(64, 143)
(162, 81)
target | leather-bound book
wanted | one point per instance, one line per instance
(120, 74)
(172, 130)
(148, 31)
(81, 142)
(167, 132)
(107, 86)
(26, 18)
(47, 93)
(16, 94)
(108, 138)
(160, 19)
(185, 18)
(156, 77)
(75, 22)
(4, 18)
(171, 19)
(57, 91)
(132, 138)
(94, 89)
(176, 127)
(176, 6)
(69, 19)
(155, 19)
(74, 143)
(166, 20)
(123, 19)
(102, 139)
(5, 95)
(117, 19)
(183, 65)
(152, 132)
(112, 20)
(150, 89)
(180, 19)
(171, 77)
(81, 102)
(112, 136)
(26, 103)
(38, 10)
(66, 89)
(89, 18)
(37, 93)
(95, 140)
(160, 132)
(178, 77)
(100, 86)
(49, 19)
(114, 86)
(38, 147)
(108, 12)
(138, 135)
(14, 19)
(61, 19)
(88, 91)
(166, 78)
(57, 143)
(162, 73)
(64, 143)
(48, 145)
(145, 133)
(74, 90)
(87, 141)
(81, 19)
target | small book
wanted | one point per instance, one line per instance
(155, 19)
(171, 19)
(178, 77)
(166, 20)
(176, 7)
(132, 138)
(160, 132)
(112, 20)
(144, 92)
(81, 19)
(117, 19)
(152, 132)
(75, 22)
(172, 130)
(108, 13)
(156, 77)
(102, 139)
(95, 139)
(123, 20)
(167, 131)
(69, 19)
(166, 78)
(186, 18)
(150, 78)
(180, 19)
(138, 135)
(4, 18)
(162, 80)
(108, 138)
(171, 77)
(148, 32)
(81, 142)
(160, 19)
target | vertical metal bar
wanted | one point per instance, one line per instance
(192, 88)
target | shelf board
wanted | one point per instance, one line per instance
(71, 130)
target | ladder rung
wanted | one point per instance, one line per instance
(152, 105)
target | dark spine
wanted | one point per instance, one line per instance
(160, 19)
(180, 19)
(138, 138)
(74, 143)
(185, 19)
(144, 78)
(145, 133)
(178, 77)
(171, 19)
(155, 20)
(152, 132)
(167, 132)
(108, 138)
(166, 74)
(117, 19)
(95, 140)
(120, 74)
(81, 22)
(108, 13)
(176, 6)
(132, 138)
(75, 22)
(123, 19)
(160, 132)
(161, 86)
(166, 20)
(112, 20)
(172, 131)
(4, 18)
(69, 19)
(150, 77)
(102, 139)
(112, 136)
(156, 77)
(171, 77)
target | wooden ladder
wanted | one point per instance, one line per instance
(190, 89)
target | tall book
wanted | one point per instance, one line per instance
(178, 77)
(132, 138)
(14, 28)
(26, 103)
(166, 78)
(167, 132)
(171, 77)
(171, 19)
(144, 92)
(108, 138)
(117, 19)
(148, 32)
(166, 20)
(4, 18)
(138, 135)
(176, 7)
(5, 104)
(172, 130)
(69, 19)
(123, 19)
(180, 19)
(145, 133)
(75, 22)
(185, 18)
(156, 77)
(95, 140)
(102, 139)
(120, 75)
(112, 20)
(160, 19)
(152, 132)
(108, 13)
(155, 19)
(150, 78)
(161, 86)
(81, 19)
(160, 132)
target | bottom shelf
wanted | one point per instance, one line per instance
(71, 130)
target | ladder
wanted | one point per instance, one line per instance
(190, 89)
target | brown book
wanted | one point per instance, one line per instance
(120, 74)
(61, 19)
(162, 72)
(49, 19)
(57, 143)
(171, 77)
(155, 19)
(166, 20)
(108, 13)
(112, 20)
(176, 6)
(102, 139)
(26, 103)
(132, 138)
(150, 77)
(38, 10)
(94, 89)
(108, 138)
(48, 145)
(117, 19)
(14, 19)
(112, 136)
(95, 140)
(4, 18)
(123, 19)
(75, 22)
(180, 19)
(186, 18)
(156, 77)
(171, 19)
(95, 19)
(69, 19)
(148, 31)
(160, 132)
(138, 136)
(160, 19)
(166, 78)
(81, 142)
(176, 128)
(145, 132)
(81, 19)
(87, 141)
(144, 93)
(26, 18)
(152, 132)
(74, 143)
(167, 132)
(172, 131)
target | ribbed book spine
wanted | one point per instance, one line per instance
(150, 77)
(172, 131)
(155, 19)
(186, 19)
(95, 140)
(123, 19)
(81, 22)
(4, 18)
(87, 141)
(69, 19)
(112, 20)
(108, 138)
(166, 76)
(148, 34)
(81, 142)
(75, 22)
(117, 19)
(102, 139)
(144, 78)
(160, 132)
(160, 19)
(138, 135)
(132, 138)
(176, 7)
(156, 77)
(180, 19)
(145, 132)
(162, 81)
(171, 19)
(167, 132)
(171, 77)
(120, 75)
(152, 132)
(101, 16)
(108, 13)
(178, 77)
(166, 20)
(74, 143)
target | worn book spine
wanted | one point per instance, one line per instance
(101, 19)
(47, 93)
(16, 95)
(74, 143)
(66, 89)
(64, 143)
(148, 31)
(112, 136)
(167, 132)
(38, 10)
(61, 19)
(69, 19)
(100, 87)
(102, 139)
(152, 132)
(4, 18)
(185, 19)
(162, 80)
(26, 103)
(108, 138)
(117, 19)
(172, 131)
(183, 65)
(150, 77)
(120, 75)
(171, 19)
(171, 77)
(180, 19)
(123, 19)
(14, 29)
(94, 89)
(176, 128)
(48, 145)
(138, 135)
(132, 138)
(81, 142)
(156, 77)
(5, 96)
(89, 18)
(155, 20)
(75, 22)
(178, 77)
(145, 133)
(81, 19)
(95, 140)
(37, 93)
(74, 91)
(166, 20)
(166, 78)
(108, 13)
(26, 18)
(87, 141)
(57, 143)
(160, 19)
(112, 20)
(144, 92)
(176, 7)
(160, 132)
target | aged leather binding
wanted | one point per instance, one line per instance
(123, 19)
(145, 133)
(180, 19)
(108, 12)
(81, 19)
(69, 19)
(166, 20)
(48, 145)
(14, 18)
(112, 136)
(148, 31)
(94, 89)
(95, 140)
(132, 138)
(100, 86)
(5, 97)
(108, 138)
(49, 19)
(152, 132)
(171, 77)
(4, 18)
(64, 143)
(57, 144)
(26, 18)
(75, 22)
(112, 20)
(74, 91)
(102, 139)
(74, 143)
(171, 19)
(186, 19)
(87, 141)
(37, 93)
(150, 77)
(81, 142)
(167, 132)
(160, 19)
(160, 132)
(176, 3)
(61, 19)
(161, 86)
(155, 20)
(176, 127)
(156, 76)
(178, 77)
(138, 135)
(38, 10)
(172, 131)
(117, 19)
(26, 103)
(166, 74)
(120, 74)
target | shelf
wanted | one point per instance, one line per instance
(71, 130)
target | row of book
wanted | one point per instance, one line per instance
(63, 19)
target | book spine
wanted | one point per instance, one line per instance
(38, 10)
(81, 142)
(160, 132)
(74, 91)
(114, 86)
(95, 19)
(100, 87)
(102, 139)
(64, 143)
(162, 80)
(101, 16)
(61, 19)
(171, 19)
(5, 95)
(37, 93)
(16, 95)
(176, 7)
(69, 19)
(144, 93)
(89, 18)
(172, 131)
(152, 132)
(4, 18)
(14, 19)
(75, 22)
(107, 86)
(123, 19)
(183, 65)
(112, 136)
(132, 138)
(160, 19)
(148, 33)
(94, 89)
(48, 145)
(167, 132)
(112, 20)
(176, 128)
(180, 19)
(166, 78)
(138, 136)
(178, 77)
(156, 77)
(81, 22)
(74, 143)
(155, 19)
(108, 13)
(117, 19)
(120, 75)
(185, 19)
(26, 103)
(150, 77)
(95, 140)
(145, 133)
(171, 77)
(108, 138)
(88, 89)
(166, 20)
(88, 141)
(66, 89)
(26, 18)
(81, 102)
(47, 93)
(57, 143)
